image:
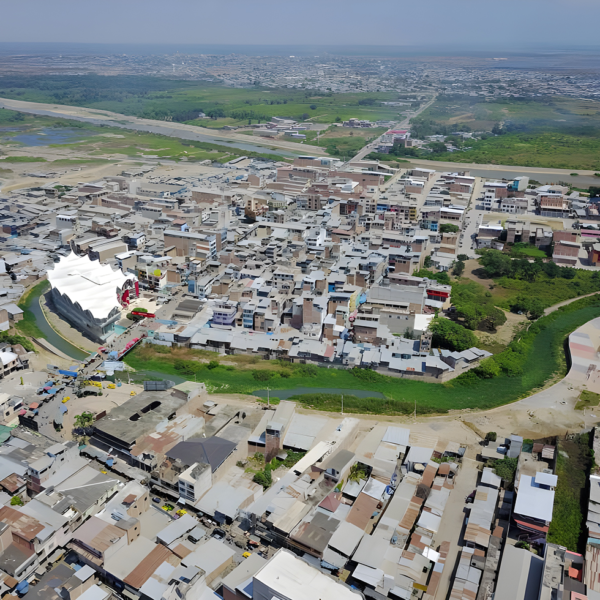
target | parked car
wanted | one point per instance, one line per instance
(218, 534)
(157, 500)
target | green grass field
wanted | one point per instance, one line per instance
(182, 101)
(99, 141)
(544, 149)
(587, 399)
(544, 360)
(562, 133)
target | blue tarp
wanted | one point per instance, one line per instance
(68, 373)
(23, 587)
(113, 354)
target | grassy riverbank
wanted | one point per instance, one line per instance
(28, 326)
(540, 355)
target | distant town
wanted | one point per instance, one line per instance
(239, 364)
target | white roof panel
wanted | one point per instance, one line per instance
(397, 435)
(89, 284)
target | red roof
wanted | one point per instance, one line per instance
(531, 526)
(331, 502)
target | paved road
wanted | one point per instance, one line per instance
(471, 222)
(404, 123)
(554, 307)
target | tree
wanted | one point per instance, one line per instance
(449, 228)
(213, 364)
(459, 268)
(84, 420)
(488, 368)
(491, 436)
(437, 147)
(496, 264)
(313, 107)
(497, 129)
(472, 314)
(494, 317)
(305, 116)
(462, 257)
(441, 277)
(536, 308)
(427, 262)
(451, 335)
(338, 119)
(16, 501)
(356, 473)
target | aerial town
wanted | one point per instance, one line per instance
(279, 371)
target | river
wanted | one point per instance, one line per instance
(132, 123)
(49, 334)
(285, 394)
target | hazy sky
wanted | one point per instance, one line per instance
(469, 23)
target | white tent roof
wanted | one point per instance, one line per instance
(88, 283)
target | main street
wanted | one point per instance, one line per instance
(401, 125)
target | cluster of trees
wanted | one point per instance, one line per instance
(497, 264)
(475, 309)
(532, 307)
(441, 277)
(451, 335)
(264, 477)
(449, 228)
(420, 128)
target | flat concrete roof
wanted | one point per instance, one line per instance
(138, 416)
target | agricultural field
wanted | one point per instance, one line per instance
(182, 101)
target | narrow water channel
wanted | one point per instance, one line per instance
(49, 334)
(285, 394)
